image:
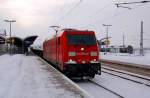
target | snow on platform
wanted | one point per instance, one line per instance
(30, 77)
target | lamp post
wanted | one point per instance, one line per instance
(106, 25)
(10, 21)
(56, 29)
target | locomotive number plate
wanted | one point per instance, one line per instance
(82, 53)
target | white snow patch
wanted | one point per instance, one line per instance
(126, 88)
(25, 77)
(129, 58)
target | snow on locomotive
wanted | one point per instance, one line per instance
(74, 52)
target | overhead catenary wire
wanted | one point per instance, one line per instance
(117, 14)
(129, 3)
(101, 9)
(62, 8)
(111, 17)
(98, 11)
(69, 12)
(91, 16)
(146, 1)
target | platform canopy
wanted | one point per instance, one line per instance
(19, 42)
(29, 40)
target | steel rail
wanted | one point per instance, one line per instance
(127, 78)
(123, 72)
(120, 96)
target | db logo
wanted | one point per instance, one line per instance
(82, 53)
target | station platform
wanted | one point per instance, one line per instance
(31, 77)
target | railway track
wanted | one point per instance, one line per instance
(127, 76)
(130, 67)
(140, 79)
(105, 88)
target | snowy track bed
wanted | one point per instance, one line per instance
(107, 83)
(127, 76)
(133, 68)
(107, 89)
(96, 90)
(129, 62)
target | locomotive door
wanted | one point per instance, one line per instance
(58, 49)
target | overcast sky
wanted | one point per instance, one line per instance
(33, 17)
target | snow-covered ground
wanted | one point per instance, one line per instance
(96, 91)
(28, 77)
(129, 58)
(125, 88)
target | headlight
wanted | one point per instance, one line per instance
(94, 61)
(93, 53)
(72, 54)
(70, 61)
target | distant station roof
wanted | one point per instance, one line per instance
(26, 41)
(29, 40)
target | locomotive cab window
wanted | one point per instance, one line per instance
(74, 39)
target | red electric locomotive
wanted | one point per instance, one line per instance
(74, 52)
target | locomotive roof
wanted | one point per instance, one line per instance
(68, 29)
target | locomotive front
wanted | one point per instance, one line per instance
(82, 54)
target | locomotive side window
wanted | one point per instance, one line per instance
(81, 39)
(58, 40)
